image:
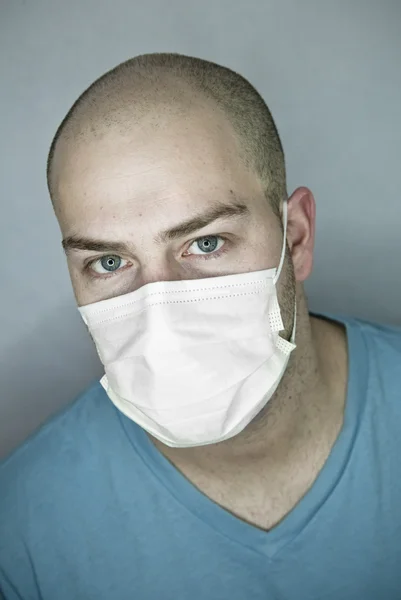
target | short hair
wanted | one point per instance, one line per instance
(241, 103)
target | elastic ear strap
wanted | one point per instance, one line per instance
(294, 327)
(280, 266)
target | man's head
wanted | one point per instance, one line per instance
(158, 142)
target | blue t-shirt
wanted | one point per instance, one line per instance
(90, 509)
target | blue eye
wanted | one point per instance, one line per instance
(206, 244)
(108, 264)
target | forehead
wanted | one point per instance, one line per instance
(159, 168)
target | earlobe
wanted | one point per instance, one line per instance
(301, 231)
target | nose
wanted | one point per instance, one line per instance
(152, 273)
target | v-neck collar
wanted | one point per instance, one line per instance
(211, 514)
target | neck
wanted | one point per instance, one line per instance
(306, 408)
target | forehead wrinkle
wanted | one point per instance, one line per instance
(217, 211)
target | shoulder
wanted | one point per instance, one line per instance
(375, 337)
(382, 341)
(375, 366)
(374, 357)
(44, 481)
(55, 449)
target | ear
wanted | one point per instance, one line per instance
(301, 231)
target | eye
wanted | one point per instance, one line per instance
(208, 244)
(107, 264)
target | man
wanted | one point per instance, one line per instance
(237, 447)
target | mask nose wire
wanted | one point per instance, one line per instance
(280, 266)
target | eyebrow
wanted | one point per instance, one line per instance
(218, 211)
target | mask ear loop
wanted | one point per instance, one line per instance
(280, 266)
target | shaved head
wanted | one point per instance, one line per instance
(171, 168)
(159, 88)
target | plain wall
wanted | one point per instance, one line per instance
(331, 74)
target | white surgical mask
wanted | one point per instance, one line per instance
(194, 361)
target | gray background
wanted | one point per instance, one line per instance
(330, 72)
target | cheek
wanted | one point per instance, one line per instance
(80, 289)
(286, 291)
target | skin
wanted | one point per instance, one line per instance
(128, 188)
